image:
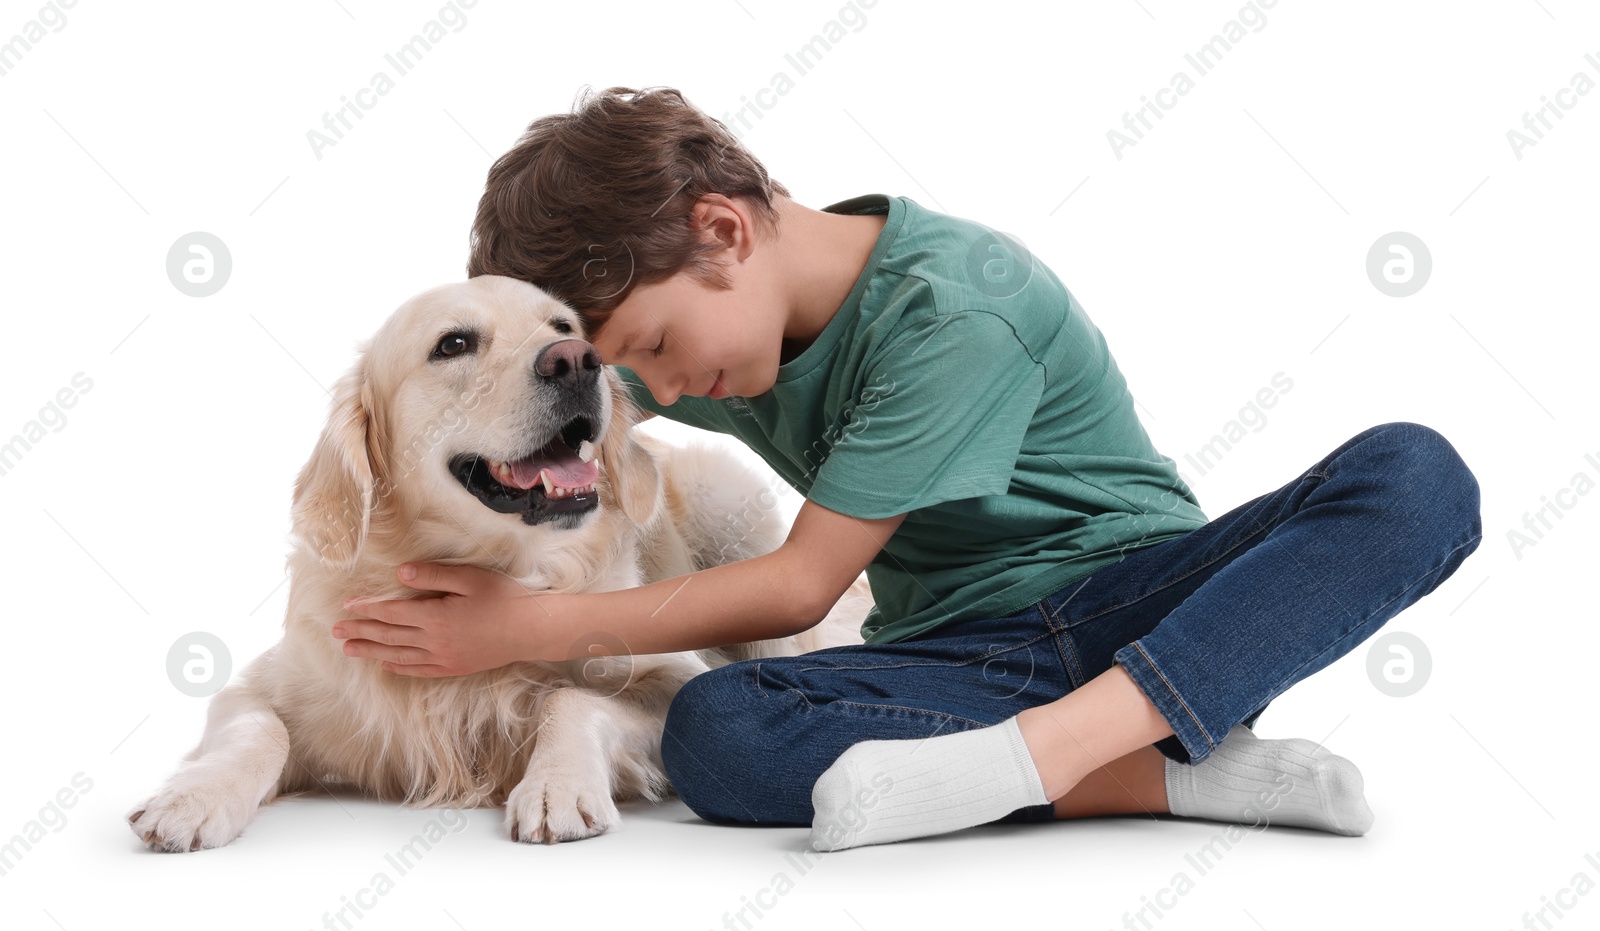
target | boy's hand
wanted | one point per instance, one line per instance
(479, 622)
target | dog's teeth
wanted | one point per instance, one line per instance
(586, 451)
(549, 483)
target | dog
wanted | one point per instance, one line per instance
(477, 427)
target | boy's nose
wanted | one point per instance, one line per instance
(665, 400)
(569, 363)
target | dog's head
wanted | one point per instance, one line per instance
(482, 399)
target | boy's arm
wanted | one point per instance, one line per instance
(773, 595)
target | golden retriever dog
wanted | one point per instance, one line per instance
(477, 427)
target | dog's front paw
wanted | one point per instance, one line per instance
(189, 815)
(548, 807)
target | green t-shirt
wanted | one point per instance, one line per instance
(962, 385)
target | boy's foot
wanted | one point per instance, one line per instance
(880, 791)
(1248, 780)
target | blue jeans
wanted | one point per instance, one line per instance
(1211, 625)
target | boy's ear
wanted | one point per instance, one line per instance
(336, 491)
(727, 223)
(632, 472)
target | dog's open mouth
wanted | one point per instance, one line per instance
(556, 479)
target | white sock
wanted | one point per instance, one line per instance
(1247, 780)
(880, 791)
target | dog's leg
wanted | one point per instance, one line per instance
(640, 716)
(566, 791)
(594, 747)
(237, 767)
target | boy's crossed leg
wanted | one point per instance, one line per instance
(1100, 763)
(1259, 598)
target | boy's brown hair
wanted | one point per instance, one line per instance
(590, 204)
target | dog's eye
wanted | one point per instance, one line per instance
(454, 344)
(561, 326)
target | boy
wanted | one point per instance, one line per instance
(959, 430)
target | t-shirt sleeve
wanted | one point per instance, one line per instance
(942, 417)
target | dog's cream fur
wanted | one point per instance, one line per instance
(556, 743)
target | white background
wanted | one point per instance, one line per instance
(1227, 245)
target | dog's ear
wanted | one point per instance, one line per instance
(336, 491)
(635, 478)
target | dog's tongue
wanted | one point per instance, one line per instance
(564, 466)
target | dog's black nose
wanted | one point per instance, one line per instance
(570, 363)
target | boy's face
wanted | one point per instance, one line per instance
(713, 343)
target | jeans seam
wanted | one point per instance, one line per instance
(1063, 643)
(1172, 582)
(940, 714)
(830, 667)
(1174, 692)
(965, 662)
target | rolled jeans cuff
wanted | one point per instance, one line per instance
(1186, 730)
